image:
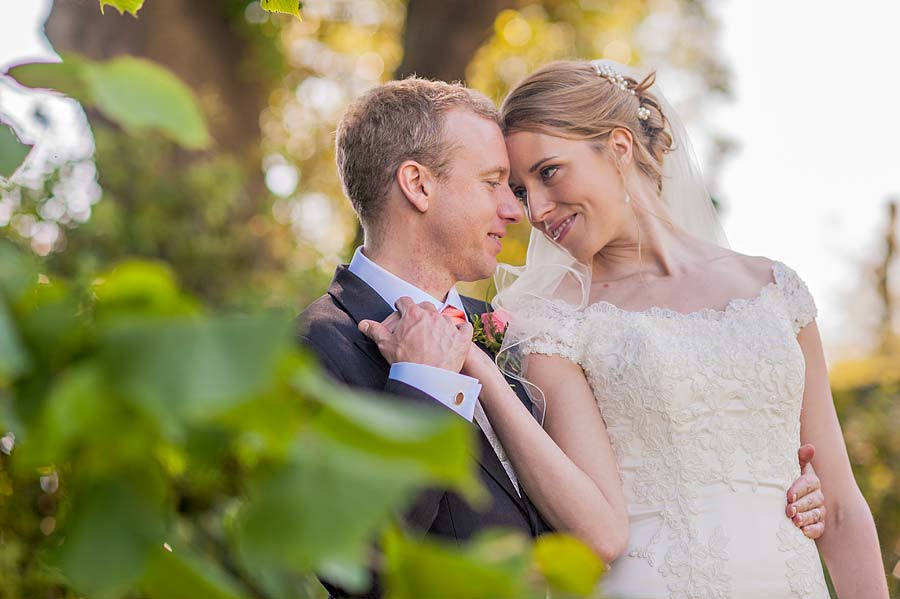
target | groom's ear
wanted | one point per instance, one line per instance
(417, 183)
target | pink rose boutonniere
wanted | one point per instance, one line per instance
(490, 327)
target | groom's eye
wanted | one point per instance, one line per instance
(521, 194)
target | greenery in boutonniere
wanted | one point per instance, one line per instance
(489, 328)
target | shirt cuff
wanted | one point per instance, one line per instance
(456, 391)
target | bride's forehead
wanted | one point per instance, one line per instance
(527, 142)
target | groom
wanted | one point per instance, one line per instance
(424, 164)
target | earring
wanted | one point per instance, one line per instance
(627, 197)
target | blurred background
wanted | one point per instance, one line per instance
(791, 107)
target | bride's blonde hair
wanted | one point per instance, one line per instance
(572, 99)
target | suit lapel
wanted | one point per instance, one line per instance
(362, 302)
(493, 466)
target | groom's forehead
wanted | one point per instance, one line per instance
(475, 135)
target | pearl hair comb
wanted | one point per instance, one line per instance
(618, 80)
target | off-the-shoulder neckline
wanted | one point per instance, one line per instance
(734, 305)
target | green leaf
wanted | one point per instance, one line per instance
(14, 359)
(427, 568)
(321, 508)
(430, 442)
(140, 288)
(110, 534)
(568, 564)
(83, 421)
(289, 7)
(12, 151)
(185, 370)
(64, 77)
(49, 324)
(178, 573)
(140, 94)
(133, 92)
(18, 271)
(123, 6)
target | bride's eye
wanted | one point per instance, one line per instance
(548, 171)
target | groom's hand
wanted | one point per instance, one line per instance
(806, 503)
(418, 333)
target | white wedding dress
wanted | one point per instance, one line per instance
(703, 411)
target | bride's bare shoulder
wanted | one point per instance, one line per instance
(755, 268)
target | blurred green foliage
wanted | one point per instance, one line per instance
(144, 422)
(867, 398)
(154, 448)
(12, 151)
(136, 94)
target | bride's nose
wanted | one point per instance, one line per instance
(539, 207)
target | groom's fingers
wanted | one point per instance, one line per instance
(805, 509)
(804, 485)
(810, 518)
(375, 331)
(404, 304)
(814, 531)
(805, 454)
(428, 306)
(391, 321)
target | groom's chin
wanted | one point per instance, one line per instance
(484, 270)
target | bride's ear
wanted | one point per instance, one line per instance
(417, 184)
(621, 143)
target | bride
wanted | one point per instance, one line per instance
(706, 364)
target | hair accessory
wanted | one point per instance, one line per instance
(643, 113)
(616, 79)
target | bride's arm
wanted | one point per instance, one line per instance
(850, 542)
(572, 477)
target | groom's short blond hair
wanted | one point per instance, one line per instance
(393, 123)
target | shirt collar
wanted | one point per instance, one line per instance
(391, 287)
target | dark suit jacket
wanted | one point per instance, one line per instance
(329, 328)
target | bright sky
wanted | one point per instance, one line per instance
(20, 37)
(816, 96)
(816, 93)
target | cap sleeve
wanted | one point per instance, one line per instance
(799, 302)
(550, 328)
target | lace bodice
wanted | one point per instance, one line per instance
(703, 410)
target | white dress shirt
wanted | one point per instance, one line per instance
(456, 391)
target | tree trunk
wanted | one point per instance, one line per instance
(442, 36)
(192, 38)
(888, 333)
(204, 212)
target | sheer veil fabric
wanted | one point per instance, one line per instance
(551, 274)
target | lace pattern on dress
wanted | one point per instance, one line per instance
(804, 570)
(692, 401)
(798, 300)
(557, 329)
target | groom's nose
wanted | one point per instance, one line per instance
(508, 208)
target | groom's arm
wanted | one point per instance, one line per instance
(421, 514)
